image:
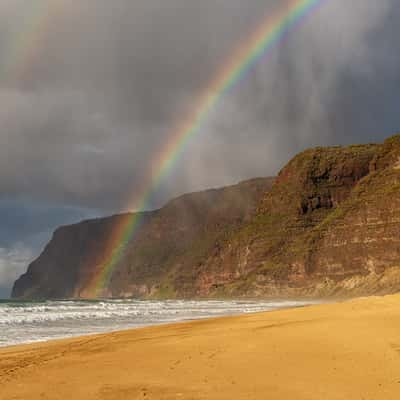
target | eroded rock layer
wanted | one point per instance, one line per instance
(329, 225)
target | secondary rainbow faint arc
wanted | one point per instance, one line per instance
(264, 38)
(27, 43)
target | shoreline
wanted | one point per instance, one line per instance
(346, 350)
(234, 307)
(155, 325)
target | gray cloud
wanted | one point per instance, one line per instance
(93, 97)
(26, 226)
(13, 262)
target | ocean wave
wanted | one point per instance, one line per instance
(27, 322)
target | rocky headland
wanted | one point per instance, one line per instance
(328, 225)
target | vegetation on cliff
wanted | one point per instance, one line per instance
(328, 226)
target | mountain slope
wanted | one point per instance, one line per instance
(328, 226)
(160, 258)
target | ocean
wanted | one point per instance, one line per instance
(27, 322)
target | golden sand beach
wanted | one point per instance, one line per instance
(341, 351)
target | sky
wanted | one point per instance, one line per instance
(91, 90)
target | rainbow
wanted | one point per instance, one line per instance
(27, 42)
(270, 33)
(26, 46)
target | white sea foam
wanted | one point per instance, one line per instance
(22, 322)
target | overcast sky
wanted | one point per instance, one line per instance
(91, 90)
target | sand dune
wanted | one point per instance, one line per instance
(338, 351)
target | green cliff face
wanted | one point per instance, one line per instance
(328, 226)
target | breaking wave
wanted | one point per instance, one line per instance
(24, 322)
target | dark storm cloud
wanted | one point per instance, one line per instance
(107, 82)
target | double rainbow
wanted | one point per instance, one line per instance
(267, 35)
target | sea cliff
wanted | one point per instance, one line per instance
(328, 225)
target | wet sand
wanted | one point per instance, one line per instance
(337, 351)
